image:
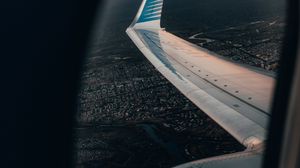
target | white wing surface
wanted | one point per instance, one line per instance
(237, 97)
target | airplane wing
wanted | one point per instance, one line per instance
(246, 159)
(236, 96)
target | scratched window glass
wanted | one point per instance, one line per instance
(178, 83)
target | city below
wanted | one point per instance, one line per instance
(130, 116)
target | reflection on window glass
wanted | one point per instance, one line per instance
(199, 88)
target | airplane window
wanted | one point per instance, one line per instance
(178, 83)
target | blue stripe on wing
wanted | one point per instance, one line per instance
(151, 11)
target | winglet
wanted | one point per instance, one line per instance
(149, 15)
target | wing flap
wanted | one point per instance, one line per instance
(247, 159)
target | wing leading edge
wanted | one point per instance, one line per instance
(237, 97)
